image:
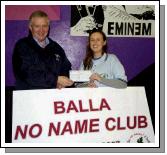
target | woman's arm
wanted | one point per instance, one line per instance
(115, 83)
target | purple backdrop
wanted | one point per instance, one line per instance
(136, 54)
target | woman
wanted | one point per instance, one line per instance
(106, 68)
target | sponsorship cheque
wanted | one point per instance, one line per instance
(98, 115)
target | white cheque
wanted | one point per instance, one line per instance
(80, 75)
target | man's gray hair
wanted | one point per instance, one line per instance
(38, 13)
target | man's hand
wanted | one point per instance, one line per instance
(63, 82)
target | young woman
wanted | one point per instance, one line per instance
(106, 69)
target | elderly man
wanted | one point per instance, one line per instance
(38, 61)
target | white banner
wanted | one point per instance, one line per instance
(98, 115)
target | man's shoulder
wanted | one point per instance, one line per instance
(22, 41)
(55, 45)
(53, 42)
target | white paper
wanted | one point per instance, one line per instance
(80, 75)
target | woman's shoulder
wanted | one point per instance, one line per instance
(112, 56)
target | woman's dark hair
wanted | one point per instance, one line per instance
(87, 62)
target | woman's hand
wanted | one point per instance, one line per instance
(91, 84)
(95, 76)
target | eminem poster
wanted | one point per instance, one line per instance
(114, 20)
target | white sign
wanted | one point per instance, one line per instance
(82, 115)
(80, 75)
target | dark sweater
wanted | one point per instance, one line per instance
(38, 68)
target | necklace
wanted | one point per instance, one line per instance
(97, 57)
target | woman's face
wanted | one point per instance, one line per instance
(97, 43)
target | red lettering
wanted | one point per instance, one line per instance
(81, 108)
(56, 130)
(142, 122)
(72, 106)
(21, 132)
(81, 127)
(39, 128)
(119, 124)
(107, 124)
(131, 123)
(59, 107)
(91, 106)
(134, 123)
(104, 104)
(67, 128)
(94, 124)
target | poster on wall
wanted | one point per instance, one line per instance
(114, 20)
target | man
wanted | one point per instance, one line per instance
(38, 61)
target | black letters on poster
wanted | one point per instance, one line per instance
(124, 28)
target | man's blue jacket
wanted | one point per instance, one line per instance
(38, 68)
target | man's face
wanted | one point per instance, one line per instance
(39, 28)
